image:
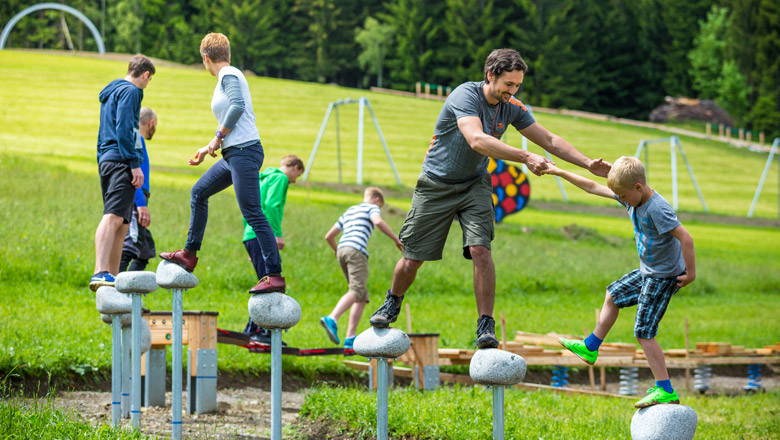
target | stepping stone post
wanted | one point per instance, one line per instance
(497, 369)
(110, 302)
(382, 344)
(173, 277)
(664, 422)
(275, 312)
(136, 283)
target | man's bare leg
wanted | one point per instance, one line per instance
(104, 242)
(404, 274)
(116, 250)
(484, 279)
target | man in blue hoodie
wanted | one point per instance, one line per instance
(119, 161)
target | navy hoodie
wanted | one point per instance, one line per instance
(120, 104)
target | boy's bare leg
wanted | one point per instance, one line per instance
(344, 303)
(354, 317)
(484, 279)
(655, 357)
(607, 318)
(404, 275)
(104, 242)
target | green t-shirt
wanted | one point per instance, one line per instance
(273, 197)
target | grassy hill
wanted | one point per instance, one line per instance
(551, 266)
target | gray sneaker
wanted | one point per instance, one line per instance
(388, 313)
(486, 332)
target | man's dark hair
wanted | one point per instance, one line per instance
(503, 60)
(138, 65)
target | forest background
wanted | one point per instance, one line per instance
(616, 57)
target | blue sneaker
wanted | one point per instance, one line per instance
(331, 328)
(101, 279)
(349, 343)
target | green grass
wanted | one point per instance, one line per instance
(50, 206)
(466, 413)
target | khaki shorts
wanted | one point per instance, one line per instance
(435, 205)
(354, 263)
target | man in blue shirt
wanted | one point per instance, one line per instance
(139, 243)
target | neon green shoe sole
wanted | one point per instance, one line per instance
(657, 396)
(578, 347)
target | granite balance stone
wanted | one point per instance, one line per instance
(491, 366)
(138, 282)
(146, 336)
(126, 319)
(274, 310)
(388, 343)
(108, 300)
(664, 422)
(172, 276)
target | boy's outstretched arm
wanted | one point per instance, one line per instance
(583, 183)
(330, 237)
(686, 241)
(379, 223)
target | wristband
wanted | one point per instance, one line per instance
(220, 135)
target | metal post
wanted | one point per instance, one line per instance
(116, 369)
(176, 386)
(498, 412)
(338, 142)
(276, 384)
(674, 174)
(126, 379)
(135, 406)
(317, 142)
(384, 144)
(381, 399)
(676, 140)
(772, 151)
(361, 109)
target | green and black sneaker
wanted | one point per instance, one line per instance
(656, 396)
(580, 349)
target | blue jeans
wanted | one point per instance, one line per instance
(238, 167)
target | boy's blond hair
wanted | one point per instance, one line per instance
(292, 161)
(216, 46)
(372, 193)
(625, 172)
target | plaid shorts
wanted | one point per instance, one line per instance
(650, 295)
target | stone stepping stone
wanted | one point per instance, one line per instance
(137, 282)
(491, 366)
(388, 343)
(109, 301)
(126, 319)
(172, 276)
(274, 310)
(664, 422)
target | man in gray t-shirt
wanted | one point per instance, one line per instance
(454, 182)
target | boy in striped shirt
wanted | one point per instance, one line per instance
(357, 223)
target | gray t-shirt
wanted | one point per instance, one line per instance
(660, 253)
(450, 159)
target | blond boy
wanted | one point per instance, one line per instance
(667, 263)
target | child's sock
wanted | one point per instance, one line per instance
(665, 384)
(593, 342)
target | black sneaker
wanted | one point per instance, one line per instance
(486, 332)
(388, 313)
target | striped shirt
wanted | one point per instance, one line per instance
(356, 226)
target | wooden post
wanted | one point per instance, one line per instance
(728, 132)
(708, 129)
(761, 138)
(748, 135)
(720, 130)
(687, 357)
(439, 90)
(427, 90)
(408, 319)
(418, 88)
(602, 369)
(742, 134)
(591, 374)
(503, 331)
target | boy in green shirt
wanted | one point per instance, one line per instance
(274, 183)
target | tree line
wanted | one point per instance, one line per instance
(617, 57)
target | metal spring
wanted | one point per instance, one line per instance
(702, 376)
(560, 376)
(629, 377)
(754, 378)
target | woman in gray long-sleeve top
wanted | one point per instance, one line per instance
(242, 158)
